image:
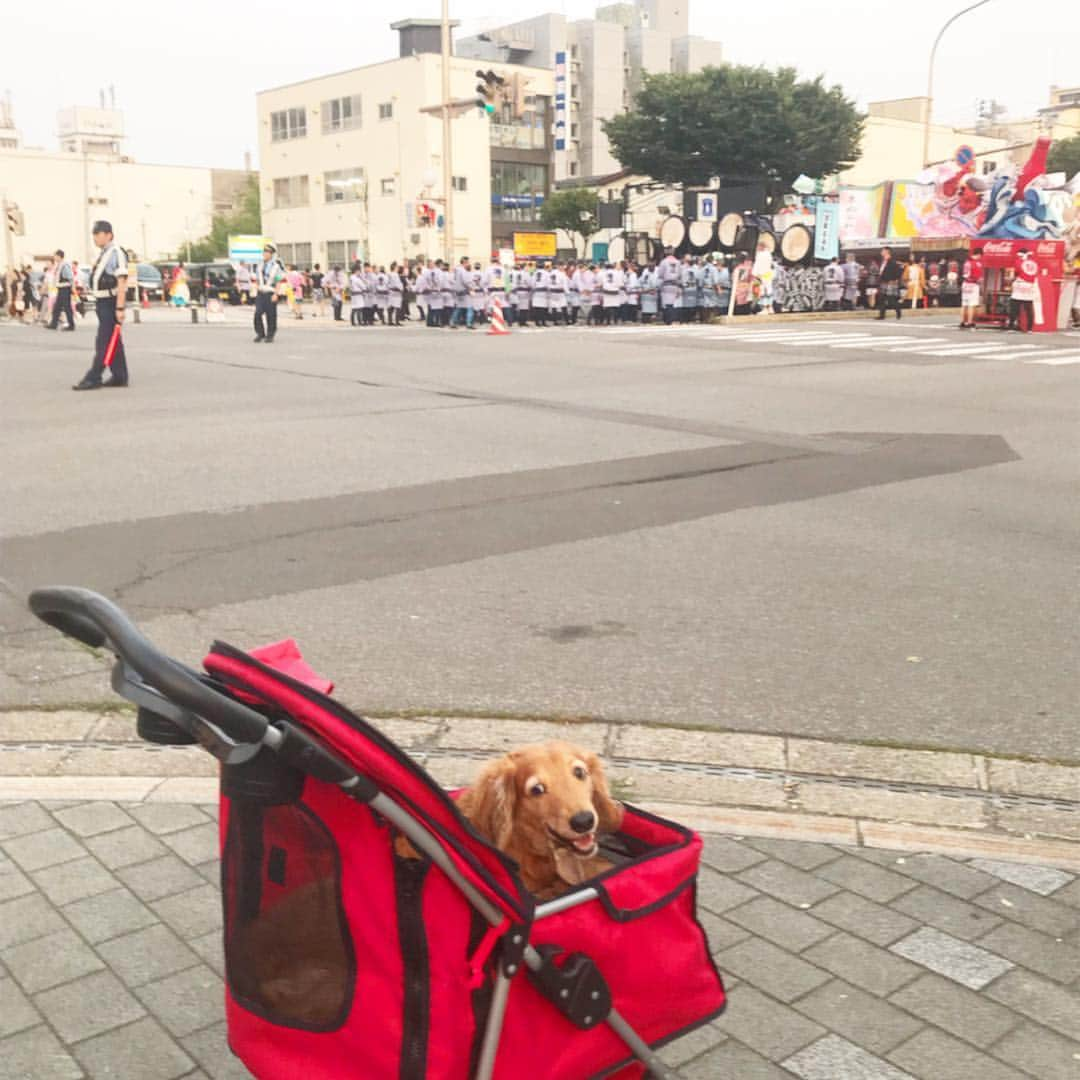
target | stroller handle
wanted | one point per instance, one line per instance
(90, 618)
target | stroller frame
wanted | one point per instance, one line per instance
(178, 705)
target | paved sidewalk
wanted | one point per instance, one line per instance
(842, 963)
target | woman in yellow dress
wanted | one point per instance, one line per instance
(915, 282)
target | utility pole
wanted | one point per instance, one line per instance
(447, 160)
(9, 247)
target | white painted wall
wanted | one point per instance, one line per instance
(173, 203)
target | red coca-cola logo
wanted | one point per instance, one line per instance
(997, 247)
(1047, 247)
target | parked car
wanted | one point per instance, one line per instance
(219, 282)
(150, 283)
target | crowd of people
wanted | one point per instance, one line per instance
(42, 297)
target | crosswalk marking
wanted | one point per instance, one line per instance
(902, 340)
(871, 339)
(1057, 361)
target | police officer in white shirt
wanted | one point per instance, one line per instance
(108, 283)
(65, 282)
(268, 278)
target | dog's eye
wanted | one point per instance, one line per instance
(579, 772)
(537, 789)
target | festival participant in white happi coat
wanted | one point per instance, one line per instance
(834, 285)
(669, 274)
(540, 282)
(557, 286)
(632, 289)
(495, 285)
(648, 286)
(446, 287)
(612, 283)
(357, 291)
(573, 293)
(395, 294)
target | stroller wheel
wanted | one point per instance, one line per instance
(157, 729)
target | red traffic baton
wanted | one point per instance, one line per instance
(110, 350)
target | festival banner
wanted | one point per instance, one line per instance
(860, 213)
(827, 231)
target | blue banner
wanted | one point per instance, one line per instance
(827, 230)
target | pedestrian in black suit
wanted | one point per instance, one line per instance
(889, 276)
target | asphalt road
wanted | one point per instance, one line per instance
(835, 529)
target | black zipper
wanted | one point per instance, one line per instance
(409, 877)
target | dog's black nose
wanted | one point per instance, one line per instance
(583, 822)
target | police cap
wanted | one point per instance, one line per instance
(102, 226)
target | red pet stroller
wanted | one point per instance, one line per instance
(345, 959)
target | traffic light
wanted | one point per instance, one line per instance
(487, 90)
(15, 223)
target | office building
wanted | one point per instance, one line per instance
(352, 164)
(59, 193)
(599, 65)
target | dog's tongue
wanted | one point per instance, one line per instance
(586, 842)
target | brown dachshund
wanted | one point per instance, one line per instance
(543, 806)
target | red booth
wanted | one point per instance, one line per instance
(1000, 256)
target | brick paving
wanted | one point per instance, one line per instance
(842, 963)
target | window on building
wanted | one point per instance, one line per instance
(574, 128)
(573, 168)
(389, 186)
(344, 185)
(988, 167)
(340, 114)
(573, 52)
(302, 256)
(285, 253)
(290, 191)
(339, 252)
(460, 183)
(288, 124)
(386, 110)
(574, 90)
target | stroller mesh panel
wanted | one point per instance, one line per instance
(288, 952)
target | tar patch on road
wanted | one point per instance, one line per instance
(195, 560)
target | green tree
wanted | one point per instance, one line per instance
(573, 211)
(1064, 156)
(739, 122)
(245, 220)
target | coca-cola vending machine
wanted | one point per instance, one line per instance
(1000, 256)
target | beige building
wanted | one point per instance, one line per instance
(155, 209)
(1060, 119)
(605, 60)
(892, 145)
(352, 163)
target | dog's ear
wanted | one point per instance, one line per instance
(489, 804)
(608, 811)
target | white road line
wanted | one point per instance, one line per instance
(975, 350)
(872, 339)
(1057, 361)
(780, 339)
(925, 343)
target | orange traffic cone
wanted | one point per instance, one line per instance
(145, 300)
(498, 322)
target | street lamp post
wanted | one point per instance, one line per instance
(930, 78)
(447, 163)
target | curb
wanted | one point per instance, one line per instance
(911, 799)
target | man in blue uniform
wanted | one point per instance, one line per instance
(268, 279)
(65, 279)
(108, 284)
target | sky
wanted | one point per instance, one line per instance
(187, 81)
